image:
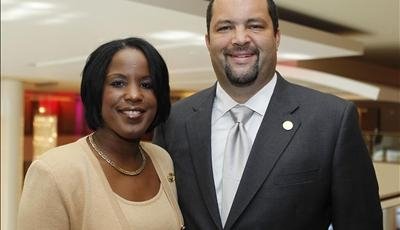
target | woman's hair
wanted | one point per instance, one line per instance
(95, 71)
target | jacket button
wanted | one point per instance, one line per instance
(183, 227)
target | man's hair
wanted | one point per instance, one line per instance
(272, 10)
(95, 71)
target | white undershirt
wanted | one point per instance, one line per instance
(221, 122)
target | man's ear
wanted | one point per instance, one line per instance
(277, 39)
(207, 40)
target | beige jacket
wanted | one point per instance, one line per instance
(67, 189)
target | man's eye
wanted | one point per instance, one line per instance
(118, 84)
(256, 27)
(223, 28)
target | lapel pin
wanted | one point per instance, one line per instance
(171, 177)
(287, 125)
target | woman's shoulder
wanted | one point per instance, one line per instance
(157, 152)
(64, 157)
(64, 152)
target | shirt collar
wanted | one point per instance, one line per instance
(258, 102)
(223, 102)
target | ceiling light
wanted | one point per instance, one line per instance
(293, 56)
(7, 2)
(179, 45)
(60, 18)
(78, 59)
(25, 10)
(15, 14)
(175, 35)
(37, 5)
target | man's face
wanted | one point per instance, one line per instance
(242, 42)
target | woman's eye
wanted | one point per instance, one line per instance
(118, 84)
(146, 84)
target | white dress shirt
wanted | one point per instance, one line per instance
(221, 122)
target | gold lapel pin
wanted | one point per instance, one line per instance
(171, 177)
(287, 125)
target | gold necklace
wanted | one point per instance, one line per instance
(113, 164)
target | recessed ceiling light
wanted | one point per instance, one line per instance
(37, 5)
(175, 35)
(25, 9)
(15, 14)
(60, 18)
(7, 2)
(77, 59)
(293, 56)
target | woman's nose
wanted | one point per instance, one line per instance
(133, 93)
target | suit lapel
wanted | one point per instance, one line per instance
(198, 129)
(270, 142)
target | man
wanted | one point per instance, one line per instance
(302, 161)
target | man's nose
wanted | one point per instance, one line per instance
(240, 36)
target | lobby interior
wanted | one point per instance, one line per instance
(350, 49)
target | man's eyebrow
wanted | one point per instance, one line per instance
(223, 22)
(258, 19)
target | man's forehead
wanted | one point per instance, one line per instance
(240, 7)
(234, 10)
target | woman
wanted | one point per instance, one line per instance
(109, 179)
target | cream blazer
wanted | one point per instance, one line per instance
(66, 188)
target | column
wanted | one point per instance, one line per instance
(11, 150)
(389, 218)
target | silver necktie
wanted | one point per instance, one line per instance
(238, 146)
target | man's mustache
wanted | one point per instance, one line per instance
(241, 49)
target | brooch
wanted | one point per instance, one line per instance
(171, 177)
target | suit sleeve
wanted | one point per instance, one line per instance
(355, 197)
(41, 205)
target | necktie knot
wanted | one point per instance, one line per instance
(241, 114)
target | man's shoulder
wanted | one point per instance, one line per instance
(314, 97)
(195, 100)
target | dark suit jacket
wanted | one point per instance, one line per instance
(304, 178)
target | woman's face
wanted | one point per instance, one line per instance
(129, 105)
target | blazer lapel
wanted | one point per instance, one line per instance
(270, 142)
(198, 129)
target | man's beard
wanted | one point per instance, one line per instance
(243, 79)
